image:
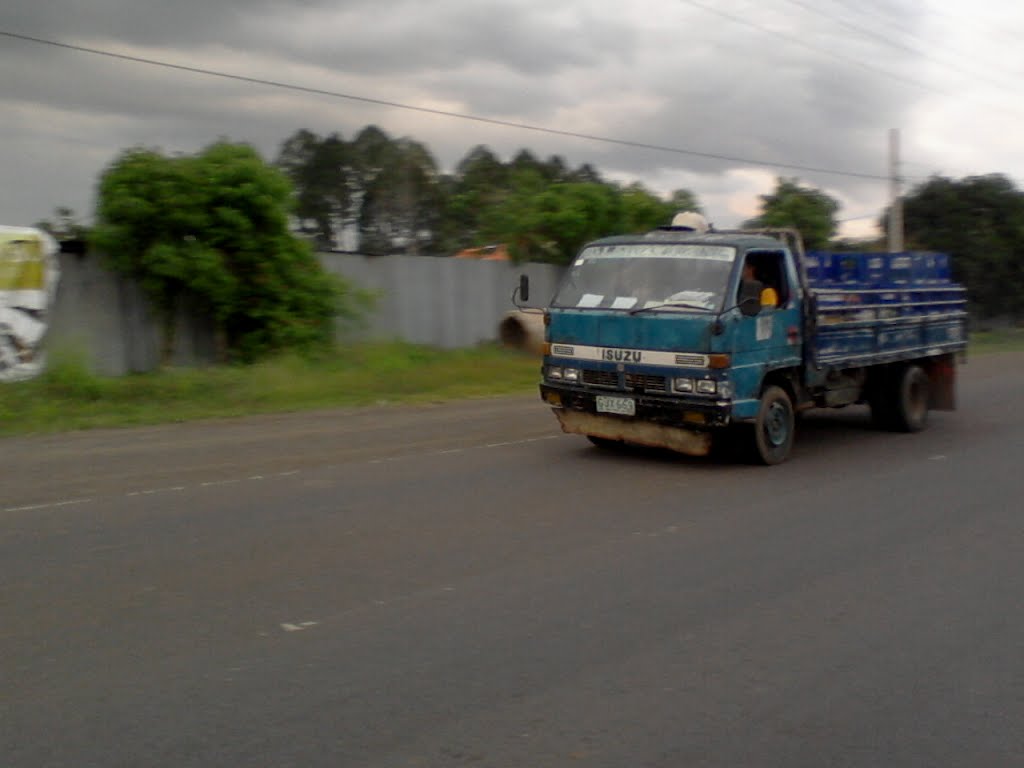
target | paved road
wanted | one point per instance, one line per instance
(461, 585)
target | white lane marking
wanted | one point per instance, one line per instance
(287, 473)
(219, 482)
(151, 491)
(940, 457)
(298, 626)
(48, 505)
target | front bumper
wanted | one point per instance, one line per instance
(690, 412)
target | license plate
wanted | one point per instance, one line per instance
(623, 406)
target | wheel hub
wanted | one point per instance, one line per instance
(776, 427)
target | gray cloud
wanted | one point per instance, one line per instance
(663, 72)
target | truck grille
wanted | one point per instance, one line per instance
(646, 383)
(600, 378)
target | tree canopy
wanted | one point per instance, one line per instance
(397, 201)
(213, 229)
(804, 208)
(979, 221)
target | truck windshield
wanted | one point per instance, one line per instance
(640, 275)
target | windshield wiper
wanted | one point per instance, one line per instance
(680, 304)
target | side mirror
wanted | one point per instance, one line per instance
(750, 298)
(524, 288)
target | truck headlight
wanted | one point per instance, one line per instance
(682, 385)
(571, 374)
(554, 372)
(707, 387)
(725, 389)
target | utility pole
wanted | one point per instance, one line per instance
(896, 192)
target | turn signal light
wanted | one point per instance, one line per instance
(719, 361)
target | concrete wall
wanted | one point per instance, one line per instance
(437, 301)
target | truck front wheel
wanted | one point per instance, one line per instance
(775, 427)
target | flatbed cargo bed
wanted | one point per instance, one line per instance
(876, 308)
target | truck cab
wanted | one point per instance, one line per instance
(679, 338)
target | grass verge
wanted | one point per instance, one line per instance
(69, 396)
(1004, 340)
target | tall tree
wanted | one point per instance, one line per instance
(550, 222)
(643, 210)
(401, 204)
(807, 209)
(586, 174)
(480, 180)
(320, 170)
(979, 221)
(525, 160)
(482, 169)
(684, 200)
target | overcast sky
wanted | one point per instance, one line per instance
(811, 83)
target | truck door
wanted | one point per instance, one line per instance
(771, 339)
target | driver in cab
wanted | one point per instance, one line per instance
(769, 296)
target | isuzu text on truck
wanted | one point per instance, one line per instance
(680, 338)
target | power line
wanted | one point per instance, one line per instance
(873, 35)
(888, 21)
(974, 22)
(832, 54)
(440, 112)
(818, 49)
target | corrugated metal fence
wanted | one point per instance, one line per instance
(438, 301)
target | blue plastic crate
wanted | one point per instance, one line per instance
(847, 268)
(932, 268)
(899, 269)
(817, 265)
(862, 270)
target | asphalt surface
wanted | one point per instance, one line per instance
(461, 584)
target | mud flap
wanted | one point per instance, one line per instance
(942, 383)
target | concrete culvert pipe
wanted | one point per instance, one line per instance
(523, 330)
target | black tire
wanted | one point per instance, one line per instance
(910, 400)
(727, 444)
(606, 443)
(881, 400)
(775, 427)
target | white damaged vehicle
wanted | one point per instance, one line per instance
(29, 271)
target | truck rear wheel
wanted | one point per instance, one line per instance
(883, 411)
(899, 399)
(775, 427)
(910, 413)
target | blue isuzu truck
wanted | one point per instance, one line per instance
(686, 340)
